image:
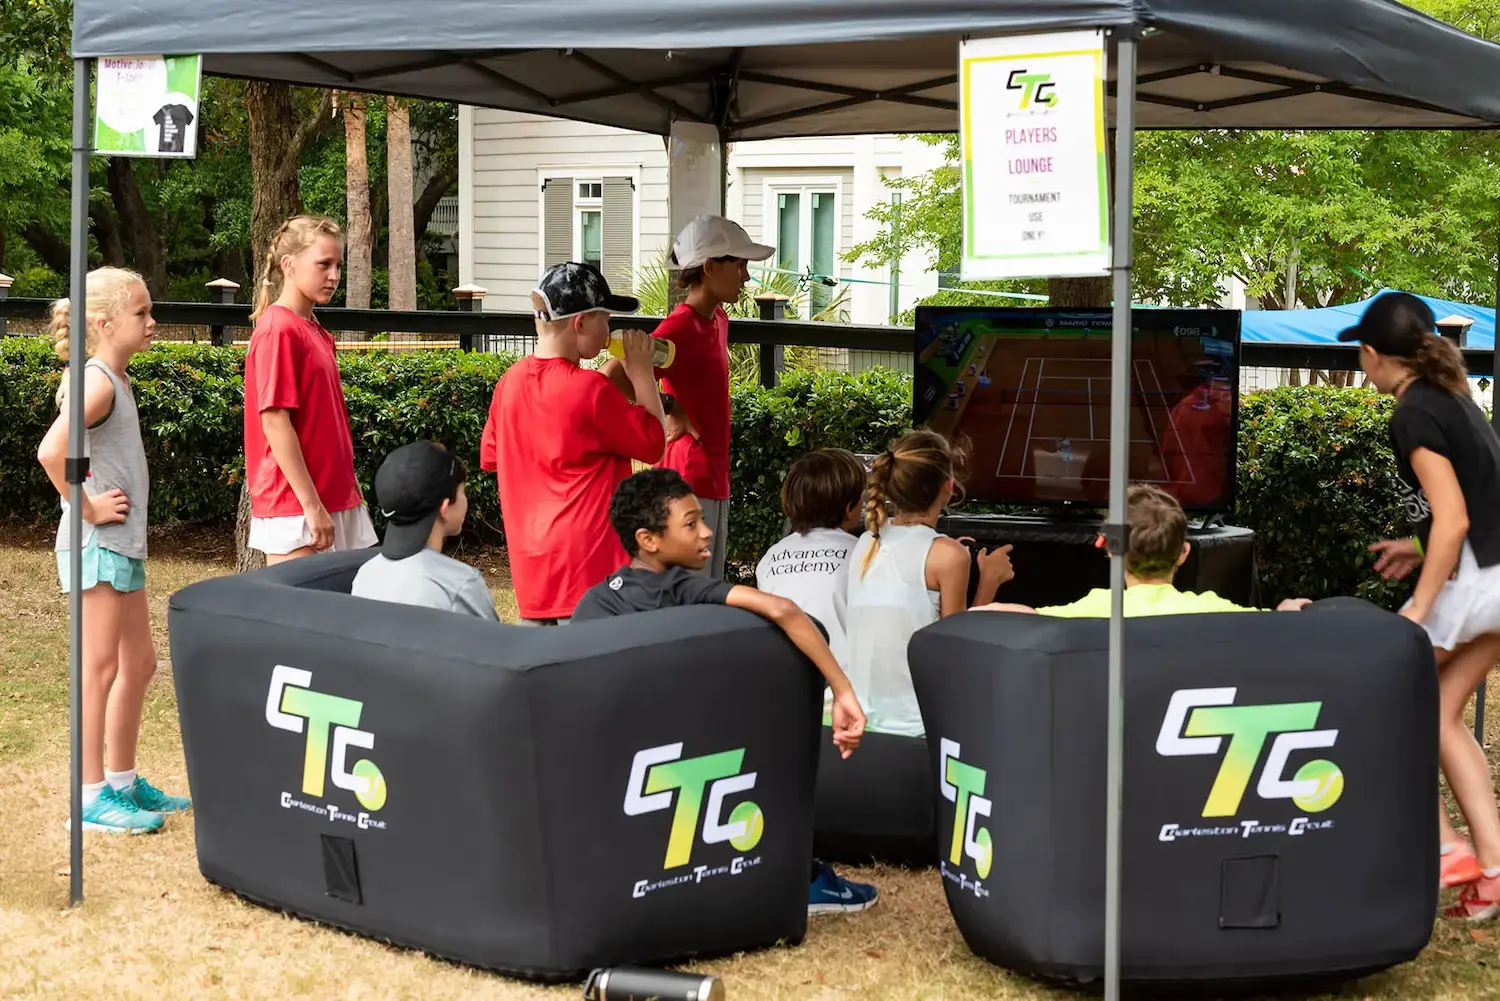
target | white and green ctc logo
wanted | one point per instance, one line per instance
(963, 786)
(657, 772)
(1210, 716)
(292, 705)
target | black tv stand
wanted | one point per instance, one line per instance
(1057, 562)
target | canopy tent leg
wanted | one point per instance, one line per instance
(696, 178)
(78, 266)
(1119, 473)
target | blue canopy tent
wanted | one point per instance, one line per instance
(1322, 326)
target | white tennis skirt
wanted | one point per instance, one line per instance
(352, 529)
(1468, 606)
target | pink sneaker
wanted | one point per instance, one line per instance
(1477, 901)
(1459, 867)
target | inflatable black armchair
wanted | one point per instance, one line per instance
(537, 801)
(1280, 779)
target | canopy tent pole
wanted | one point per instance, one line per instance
(77, 467)
(1119, 471)
(1479, 695)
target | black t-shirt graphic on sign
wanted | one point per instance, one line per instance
(630, 590)
(174, 120)
(1454, 427)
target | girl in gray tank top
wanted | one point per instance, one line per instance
(118, 657)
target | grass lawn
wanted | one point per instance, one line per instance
(151, 927)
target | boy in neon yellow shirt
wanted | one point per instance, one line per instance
(1158, 546)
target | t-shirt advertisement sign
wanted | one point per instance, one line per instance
(148, 106)
(1035, 185)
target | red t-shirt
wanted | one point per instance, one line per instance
(291, 364)
(686, 455)
(699, 378)
(560, 439)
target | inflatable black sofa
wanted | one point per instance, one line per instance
(535, 801)
(1280, 774)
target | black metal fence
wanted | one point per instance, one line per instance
(475, 330)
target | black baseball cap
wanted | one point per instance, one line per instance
(410, 486)
(1396, 323)
(569, 289)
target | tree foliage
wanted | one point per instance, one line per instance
(181, 222)
(1300, 217)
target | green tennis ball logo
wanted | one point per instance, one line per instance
(372, 795)
(755, 825)
(986, 853)
(1330, 785)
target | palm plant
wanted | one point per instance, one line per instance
(653, 284)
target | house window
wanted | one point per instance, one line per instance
(806, 223)
(588, 223)
(594, 219)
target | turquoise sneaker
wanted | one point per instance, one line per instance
(116, 813)
(147, 797)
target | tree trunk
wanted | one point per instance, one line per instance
(357, 185)
(403, 240)
(52, 251)
(1092, 292)
(245, 558)
(138, 229)
(275, 195)
(276, 140)
(426, 204)
(107, 233)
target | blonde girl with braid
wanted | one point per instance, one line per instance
(299, 453)
(119, 657)
(904, 575)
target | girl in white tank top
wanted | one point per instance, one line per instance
(904, 574)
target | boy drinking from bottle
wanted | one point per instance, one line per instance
(560, 438)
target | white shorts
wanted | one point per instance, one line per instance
(1468, 606)
(278, 536)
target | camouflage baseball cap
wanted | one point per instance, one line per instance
(569, 289)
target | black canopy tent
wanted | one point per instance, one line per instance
(858, 66)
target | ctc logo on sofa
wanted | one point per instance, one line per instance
(292, 705)
(1210, 715)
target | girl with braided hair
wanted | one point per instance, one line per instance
(904, 575)
(119, 658)
(299, 453)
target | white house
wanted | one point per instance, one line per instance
(535, 191)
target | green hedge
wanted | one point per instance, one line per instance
(1316, 477)
(1317, 481)
(192, 405)
(808, 410)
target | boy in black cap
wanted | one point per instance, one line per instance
(420, 489)
(560, 437)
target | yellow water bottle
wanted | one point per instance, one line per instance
(662, 351)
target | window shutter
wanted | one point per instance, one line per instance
(619, 234)
(557, 215)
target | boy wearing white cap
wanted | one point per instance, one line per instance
(710, 255)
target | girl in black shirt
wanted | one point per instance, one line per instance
(1449, 462)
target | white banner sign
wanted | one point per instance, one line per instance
(1035, 185)
(148, 106)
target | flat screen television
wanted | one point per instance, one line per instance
(1026, 391)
